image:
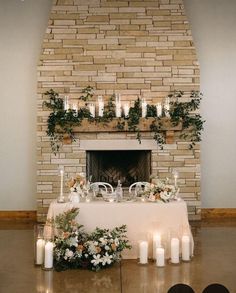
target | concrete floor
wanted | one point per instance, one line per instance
(214, 262)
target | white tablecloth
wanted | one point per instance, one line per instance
(142, 219)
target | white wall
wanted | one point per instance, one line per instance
(213, 26)
(22, 24)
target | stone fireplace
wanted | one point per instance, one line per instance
(128, 166)
(134, 48)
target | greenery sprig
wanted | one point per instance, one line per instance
(61, 122)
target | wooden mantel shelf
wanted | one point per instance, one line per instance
(111, 126)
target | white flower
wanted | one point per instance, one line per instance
(92, 248)
(116, 241)
(72, 241)
(68, 254)
(106, 259)
(165, 195)
(97, 259)
(103, 241)
(107, 247)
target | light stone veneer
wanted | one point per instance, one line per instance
(135, 48)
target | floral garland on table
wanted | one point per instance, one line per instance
(74, 248)
(160, 190)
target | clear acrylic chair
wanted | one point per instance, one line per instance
(107, 187)
(137, 187)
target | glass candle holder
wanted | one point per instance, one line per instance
(160, 256)
(48, 249)
(39, 244)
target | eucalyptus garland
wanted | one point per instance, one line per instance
(62, 122)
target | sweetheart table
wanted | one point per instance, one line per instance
(142, 220)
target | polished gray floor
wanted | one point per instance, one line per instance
(214, 262)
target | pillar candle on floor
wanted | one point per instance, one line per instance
(174, 250)
(48, 255)
(143, 252)
(185, 243)
(40, 244)
(160, 257)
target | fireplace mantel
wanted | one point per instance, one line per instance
(144, 126)
(111, 126)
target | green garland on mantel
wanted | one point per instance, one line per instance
(180, 112)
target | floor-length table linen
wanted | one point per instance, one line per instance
(142, 220)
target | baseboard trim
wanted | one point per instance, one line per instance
(215, 213)
(19, 215)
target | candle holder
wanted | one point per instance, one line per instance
(48, 249)
(185, 248)
(143, 252)
(160, 256)
(39, 244)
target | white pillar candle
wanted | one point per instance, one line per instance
(144, 108)
(143, 252)
(126, 110)
(118, 109)
(160, 257)
(100, 109)
(100, 106)
(159, 109)
(66, 103)
(48, 255)
(156, 242)
(92, 110)
(185, 244)
(174, 250)
(167, 106)
(40, 244)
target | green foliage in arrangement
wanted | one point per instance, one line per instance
(75, 249)
(61, 122)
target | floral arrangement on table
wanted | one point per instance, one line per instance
(77, 183)
(160, 190)
(74, 248)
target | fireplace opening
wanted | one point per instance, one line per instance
(111, 166)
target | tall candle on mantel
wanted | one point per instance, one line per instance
(48, 256)
(143, 252)
(174, 250)
(118, 106)
(160, 257)
(126, 110)
(185, 244)
(66, 103)
(159, 109)
(92, 110)
(40, 244)
(100, 106)
(167, 106)
(156, 243)
(144, 108)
